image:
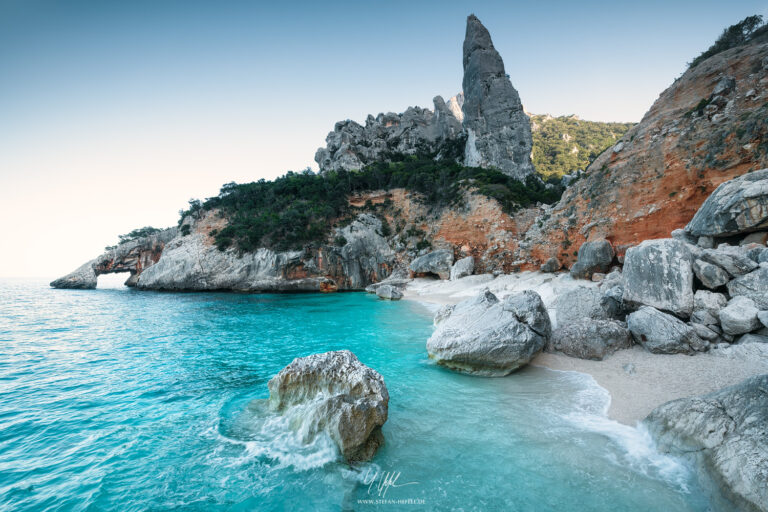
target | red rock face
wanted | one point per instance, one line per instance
(652, 182)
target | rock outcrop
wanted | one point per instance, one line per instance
(726, 432)
(337, 394)
(498, 131)
(351, 146)
(656, 177)
(173, 261)
(485, 336)
(133, 256)
(436, 263)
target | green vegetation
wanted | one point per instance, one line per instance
(138, 233)
(562, 145)
(741, 33)
(299, 208)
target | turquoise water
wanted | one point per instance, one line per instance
(114, 399)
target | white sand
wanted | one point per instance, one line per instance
(656, 379)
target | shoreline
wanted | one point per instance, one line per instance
(637, 380)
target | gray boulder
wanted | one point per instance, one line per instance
(337, 394)
(590, 339)
(680, 234)
(389, 292)
(551, 265)
(498, 130)
(436, 263)
(753, 285)
(710, 275)
(736, 206)
(594, 256)
(763, 317)
(739, 316)
(753, 338)
(485, 336)
(661, 333)
(733, 261)
(709, 301)
(726, 434)
(704, 332)
(463, 268)
(658, 273)
(578, 303)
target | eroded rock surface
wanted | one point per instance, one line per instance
(726, 432)
(338, 395)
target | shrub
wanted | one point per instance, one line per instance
(741, 33)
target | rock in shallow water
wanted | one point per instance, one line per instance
(727, 433)
(485, 336)
(389, 292)
(338, 395)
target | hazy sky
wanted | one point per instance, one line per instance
(114, 114)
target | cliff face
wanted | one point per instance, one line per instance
(483, 127)
(709, 126)
(351, 146)
(498, 131)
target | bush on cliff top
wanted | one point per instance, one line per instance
(741, 33)
(300, 208)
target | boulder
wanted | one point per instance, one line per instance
(680, 234)
(753, 338)
(485, 336)
(709, 301)
(590, 339)
(739, 316)
(436, 263)
(594, 256)
(753, 285)
(551, 265)
(726, 434)
(387, 291)
(763, 317)
(579, 303)
(733, 261)
(704, 332)
(704, 317)
(760, 237)
(336, 394)
(736, 206)
(710, 275)
(463, 268)
(658, 273)
(82, 278)
(662, 333)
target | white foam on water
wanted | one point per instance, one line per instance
(637, 447)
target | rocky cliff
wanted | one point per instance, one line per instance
(483, 127)
(709, 126)
(498, 131)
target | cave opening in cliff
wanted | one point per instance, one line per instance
(113, 280)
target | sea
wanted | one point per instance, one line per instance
(127, 400)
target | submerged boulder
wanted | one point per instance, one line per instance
(436, 263)
(736, 206)
(594, 256)
(726, 432)
(590, 339)
(338, 395)
(658, 273)
(485, 336)
(661, 333)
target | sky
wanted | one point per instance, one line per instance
(113, 114)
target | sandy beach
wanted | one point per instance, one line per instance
(637, 380)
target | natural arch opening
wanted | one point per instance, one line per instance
(113, 280)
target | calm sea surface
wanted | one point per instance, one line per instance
(115, 399)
